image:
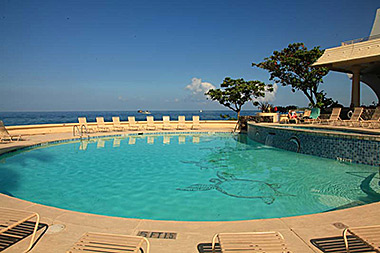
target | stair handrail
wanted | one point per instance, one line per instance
(84, 129)
(76, 127)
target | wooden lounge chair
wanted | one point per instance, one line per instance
(196, 124)
(84, 128)
(166, 123)
(374, 122)
(334, 117)
(132, 123)
(5, 136)
(117, 124)
(250, 242)
(370, 235)
(99, 242)
(355, 118)
(181, 122)
(100, 125)
(10, 218)
(150, 123)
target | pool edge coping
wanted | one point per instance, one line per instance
(203, 225)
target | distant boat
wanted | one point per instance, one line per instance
(144, 112)
(200, 110)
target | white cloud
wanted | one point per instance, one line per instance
(198, 89)
(120, 98)
(269, 96)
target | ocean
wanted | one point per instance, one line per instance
(34, 118)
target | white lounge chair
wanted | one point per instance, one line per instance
(166, 123)
(250, 242)
(181, 122)
(334, 117)
(100, 242)
(355, 118)
(196, 123)
(84, 127)
(370, 235)
(117, 124)
(10, 218)
(132, 124)
(374, 122)
(5, 136)
(101, 126)
(150, 123)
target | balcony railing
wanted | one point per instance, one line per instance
(349, 42)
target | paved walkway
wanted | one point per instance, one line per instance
(297, 231)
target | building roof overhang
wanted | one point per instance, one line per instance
(363, 55)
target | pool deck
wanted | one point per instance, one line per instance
(297, 231)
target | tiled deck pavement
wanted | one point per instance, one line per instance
(297, 230)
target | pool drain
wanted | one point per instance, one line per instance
(339, 225)
(55, 228)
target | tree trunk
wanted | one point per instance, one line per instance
(238, 121)
(309, 97)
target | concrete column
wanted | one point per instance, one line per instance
(355, 90)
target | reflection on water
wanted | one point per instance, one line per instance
(166, 139)
(181, 139)
(132, 140)
(100, 143)
(150, 139)
(116, 142)
(83, 145)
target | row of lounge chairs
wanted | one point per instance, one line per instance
(133, 125)
(356, 119)
(228, 242)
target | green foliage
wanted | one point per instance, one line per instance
(238, 92)
(292, 66)
(265, 106)
(227, 117)
(285, 109)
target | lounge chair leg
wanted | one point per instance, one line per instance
(213, 243)
(34, 233)
(346, 240)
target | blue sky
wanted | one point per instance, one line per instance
(160, 55)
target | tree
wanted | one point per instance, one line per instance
(238, 92)
(293, 66)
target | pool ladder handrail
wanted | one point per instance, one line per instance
(81, 131)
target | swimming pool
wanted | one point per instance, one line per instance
(187, 177)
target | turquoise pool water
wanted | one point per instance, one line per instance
(192, 177)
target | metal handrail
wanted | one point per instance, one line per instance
(83, 127)
(78, 130)
(81, 131)
(349, 42)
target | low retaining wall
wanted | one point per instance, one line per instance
(68, 127)
(354, 148)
